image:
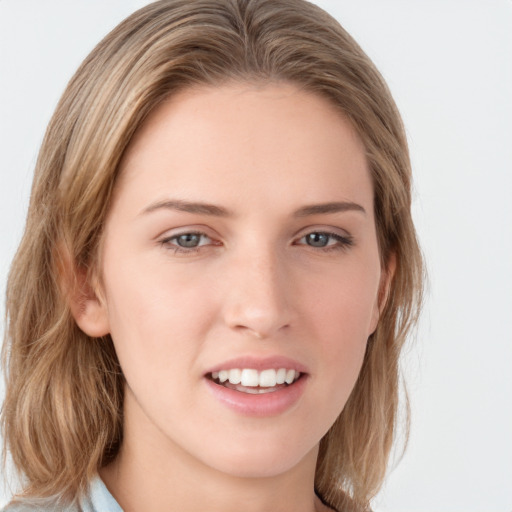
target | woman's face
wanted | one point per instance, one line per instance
(241, 244)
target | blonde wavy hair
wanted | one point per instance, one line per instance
(62, 418)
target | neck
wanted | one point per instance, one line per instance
(176, 489)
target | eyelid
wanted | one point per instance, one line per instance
(174, 236)
(193, 233)
(177, 230)
(328, 230)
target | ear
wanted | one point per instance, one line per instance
(386, 279)
(88, 307)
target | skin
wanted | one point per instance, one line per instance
(255, 286)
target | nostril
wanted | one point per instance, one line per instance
(253, 332)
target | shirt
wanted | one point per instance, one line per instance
(98, 499)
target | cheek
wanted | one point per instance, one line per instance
(342, 305)
(340, 313)
(341, 338)
(157, 317)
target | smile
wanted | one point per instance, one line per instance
(256, 386)
(249, 380)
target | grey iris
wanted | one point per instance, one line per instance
(317, 239)
(189, 240)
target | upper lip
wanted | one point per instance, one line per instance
(259, 363)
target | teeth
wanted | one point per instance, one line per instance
(249, 378)
(252, 378)
(268, 378)
(235, 376)
(281, 376)
(290, 376)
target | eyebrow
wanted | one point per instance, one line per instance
(219, 211)
(189, 207)
(324, 208)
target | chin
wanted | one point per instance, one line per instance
(262, 460)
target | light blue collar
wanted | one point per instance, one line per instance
(99, 499)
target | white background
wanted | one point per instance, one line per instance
(449, 66)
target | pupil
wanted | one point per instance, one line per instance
(188, 240)
(318, 239)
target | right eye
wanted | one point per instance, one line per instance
(187, 242)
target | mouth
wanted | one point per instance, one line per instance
(258, 387)
(254, 382)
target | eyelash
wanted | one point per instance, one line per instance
(167, 242)
(344, 242)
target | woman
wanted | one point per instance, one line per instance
(218, 272)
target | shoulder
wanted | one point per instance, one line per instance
(97, 499)
(39, 505)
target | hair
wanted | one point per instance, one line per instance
(58, 435)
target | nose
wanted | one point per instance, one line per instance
(258, 293)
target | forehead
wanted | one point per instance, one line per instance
(246, 144)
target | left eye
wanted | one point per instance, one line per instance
(317, 239)
(321, 239)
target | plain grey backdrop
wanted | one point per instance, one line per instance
(449, 66)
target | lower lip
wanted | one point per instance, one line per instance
(264, 404)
